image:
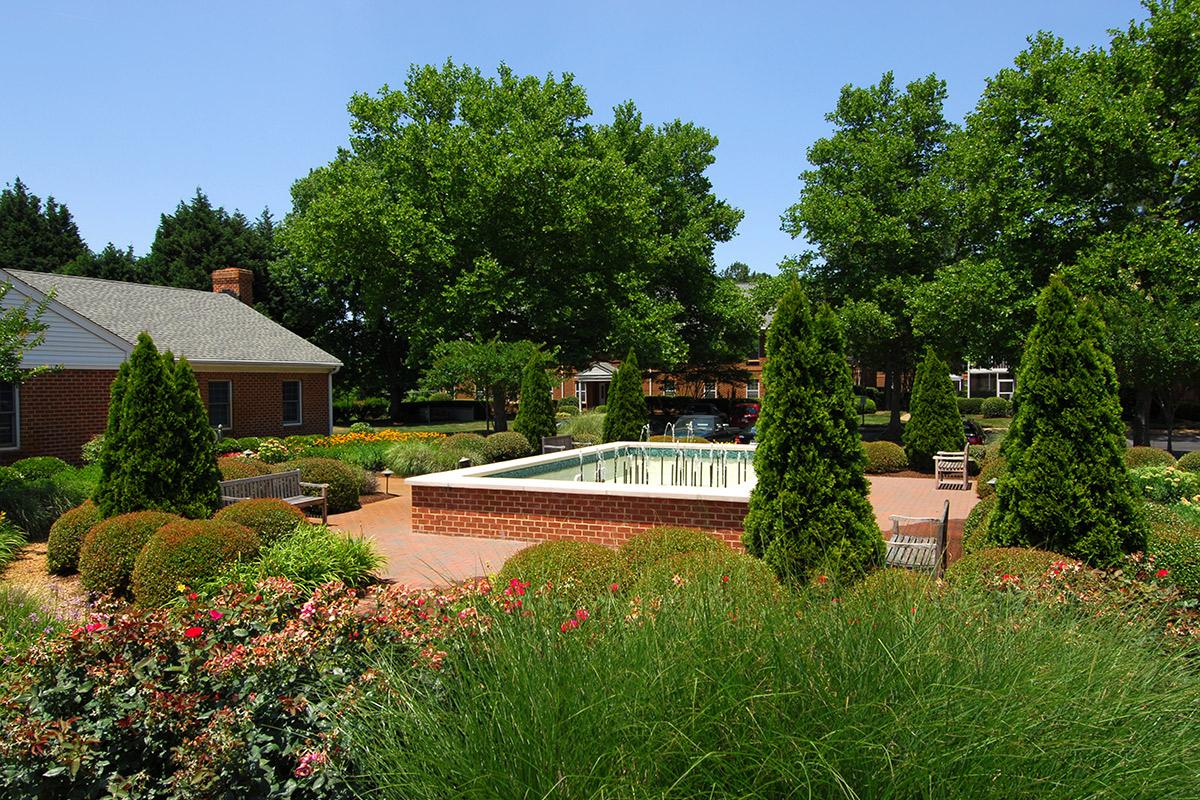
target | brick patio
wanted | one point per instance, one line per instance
(421, 559)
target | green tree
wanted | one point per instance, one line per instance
(160, 449)
(535, 414)
(513, 218)
(627, 411)
(876, 207)
(1067, 488)
(934, 422)
(36, 237)
(21, 330)
(809, 509)
(490, 369)
(111, 263)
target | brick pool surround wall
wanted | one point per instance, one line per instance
(469, 503)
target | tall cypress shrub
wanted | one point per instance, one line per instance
(809, 510)
(199, 492)
(934, 422)
(627, 413)
(110, 490)
(1067, 488)
(535, 413)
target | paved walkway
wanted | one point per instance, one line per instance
(420, 559)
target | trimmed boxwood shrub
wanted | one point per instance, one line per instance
(111, 547)
(1189, 462)
(993, 467)
(271, 519)
(884, 457)
(655, 544)
(234, 467)
(576, 571)
(1148, 457)
(1175, 545)
(995, 407)
(741, 577)
(39, 467)
(466, 445)
(970, 405)
(66, 538)
(983, 567)
(506, 445)
(342, 478)
(187, 553)
(974, 536)
(865, 406)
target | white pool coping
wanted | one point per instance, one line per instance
(480, 477)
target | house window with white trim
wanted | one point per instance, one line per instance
(292, 394)
(668, 388)
(220, 404)
(10, 429)
(753, 388)
(710, 389)
(581, 394)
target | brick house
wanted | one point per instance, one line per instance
(256, 377)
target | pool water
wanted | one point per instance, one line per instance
(640, 465)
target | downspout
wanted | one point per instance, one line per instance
(329, 398)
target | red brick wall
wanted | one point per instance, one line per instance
(599, 518)
(60, 412)
(258, 402)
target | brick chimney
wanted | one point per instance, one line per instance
(237, 282)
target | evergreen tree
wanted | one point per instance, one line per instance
(1067, 488)
(199, 493)
(110, 493)
(36, 238)
(627, 414)
(809, 509)
(535, 414)
(934, 422)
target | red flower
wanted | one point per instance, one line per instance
(582, 614)
(569, 625)
(216, 615)
(724, 579)
(614, 587)
(193, 597)
(193, 632)
(1162, 573)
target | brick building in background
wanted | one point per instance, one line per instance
(256, 377)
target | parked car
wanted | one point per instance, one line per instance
(705, 409)
(973, 431)
(706, 426)
(744, 415)
(746, 436)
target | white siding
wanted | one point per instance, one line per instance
(67, 343)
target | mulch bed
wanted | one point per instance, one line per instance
(63, 596)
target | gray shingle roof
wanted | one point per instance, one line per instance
(203, 326)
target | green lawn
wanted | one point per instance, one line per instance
(439, 427)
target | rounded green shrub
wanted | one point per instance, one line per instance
(66, 538)
(466, 445)
(742, 577)
(970, 405)
(983, 567)
(1165, 484)
(974, 535)
(234, 467)
(187, 553)
(111, 547)
(505, 446)
(576, 571)
(868, 406)
(342, 478)
(993, 468)
(995, 407)
(39, 467)
(884, 457)
(271, 519)
(1189, 462)
(585, 439)
(92, 450)
(1136, 457)
(655, 544)
(600, 409)
(1177, 549)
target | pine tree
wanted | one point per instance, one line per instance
(1067, 488)
(110, 493)
(809, 509)
(627, 414)
(199, 492)
(535, 414)
(36, 238)
(934, 422)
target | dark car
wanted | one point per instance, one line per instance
(746, 436)
(973, 431)
(744, 415)
(705, 426)
(704, 409)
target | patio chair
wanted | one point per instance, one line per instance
(554, 444)
(950, 469)
(919, 543)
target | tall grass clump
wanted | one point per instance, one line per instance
(22, 619)
(589, 425)
(418, 458)
(943, 695)
(12, 539)
(311, 556)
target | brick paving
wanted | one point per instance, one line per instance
(420, 559)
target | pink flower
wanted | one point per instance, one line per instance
(216, 615)
(92, 627)
(569, 625)
(193, 632)
(582, 614)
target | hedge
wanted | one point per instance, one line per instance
(342, 478)
(737, 576)
(1147, 457)
(576, 571)
(655, 544)
(40, 467)
(974, 535)
(995, 407)
(66, 538)
(993, 467)
(506, 446)
(271, 519)
(1189, 462)
(884, 457)
(970, 405)
(235, 467)
(111, 547)
(187, 553)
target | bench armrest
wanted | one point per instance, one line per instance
(324, 487)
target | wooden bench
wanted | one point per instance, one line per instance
(919, 543)
(554, 444)
(950, 469)
(285, 486)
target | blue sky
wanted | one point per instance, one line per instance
(120, 110)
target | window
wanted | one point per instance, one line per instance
(10, 437)
(220, 404)
(752, 389)
(668, 388)
(291, 403)
(581, 394)
(710, 388)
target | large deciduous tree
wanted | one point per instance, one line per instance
(475, 207)
(492, 369)
(875, 206)
(809, 508)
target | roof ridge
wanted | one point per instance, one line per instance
(91, 279)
